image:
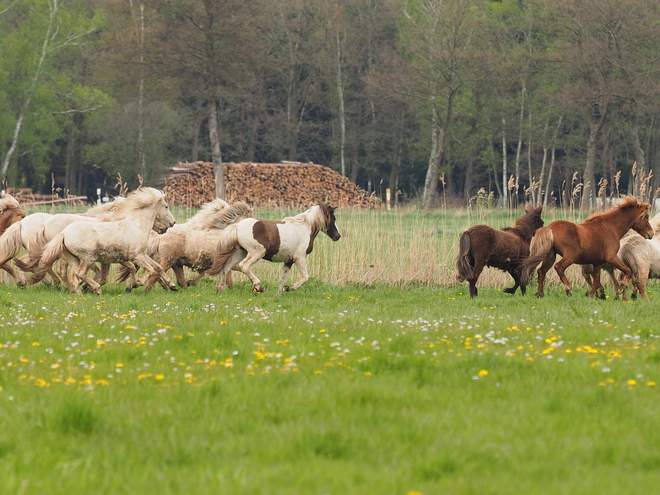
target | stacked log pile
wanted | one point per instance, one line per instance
(283, 185)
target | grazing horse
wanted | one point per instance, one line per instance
(120, 240)
(594, 242)
(482, 246)
(192, 243)
(288, 241)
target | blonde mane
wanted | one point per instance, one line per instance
(204, 217)
(314, 216)
(235, 212)
(104, 208)
(8, 202)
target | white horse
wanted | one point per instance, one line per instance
(191, 243)
(120, 240)
(288, 242)
(33, 231)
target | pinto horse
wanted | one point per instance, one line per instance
(288, 242)
(594, 242)
(482, 246)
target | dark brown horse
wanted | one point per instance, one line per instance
(594, 242)
(482, 246)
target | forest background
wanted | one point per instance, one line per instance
(553, 101)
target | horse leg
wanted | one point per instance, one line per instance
(231, 264)
(181, 276)
(560, 268)
(81, 271)
(244, 267)
(516, 282)
(596, 287)
(543, 269)
(153, 267)
(479, 266)
(16, 275)
(284, 276)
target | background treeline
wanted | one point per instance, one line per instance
(550, 100)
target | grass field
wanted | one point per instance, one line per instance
(379, 376)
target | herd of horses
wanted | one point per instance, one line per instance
(139, 231)
(601, 241)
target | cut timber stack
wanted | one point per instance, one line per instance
(281, 185)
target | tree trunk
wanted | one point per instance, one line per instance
(596, 124)
(431, 182)
(505, 180)
(218, 169)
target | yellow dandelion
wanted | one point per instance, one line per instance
(650, 384)
(160, 377)
(482, 373)
(318, 372)
(632, 382)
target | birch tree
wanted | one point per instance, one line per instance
(48, 28)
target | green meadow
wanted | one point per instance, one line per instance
(379, 376)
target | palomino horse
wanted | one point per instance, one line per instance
(482, 246)
(37, 229)
(121, 240)
(594, 242)
(288, 242)
(192, 243)
(10, 214)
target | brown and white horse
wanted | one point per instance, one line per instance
(288, 241)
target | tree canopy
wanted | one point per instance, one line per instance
(521, 100)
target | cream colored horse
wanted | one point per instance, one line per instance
(122, 240)
(288, 242)
(192, 243)
(38, 228)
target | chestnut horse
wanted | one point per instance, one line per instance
(482, 246)
(594, 242)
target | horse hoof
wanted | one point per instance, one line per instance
(509, 291)
(569, 293)
(174, 287)
(538, 295)
(128, 290)
(257, 289)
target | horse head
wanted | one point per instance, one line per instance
(10, 211)
(164, 218)
(642, 225)
(331, 229)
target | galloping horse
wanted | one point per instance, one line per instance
(641, 255)
(192, 243)
(10, 214)
(482, 246)
(121, 240)
(594, 242)
(288, 241)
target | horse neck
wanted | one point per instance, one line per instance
(142, 219)
(524, 230)
(7, 220)
(620, 225)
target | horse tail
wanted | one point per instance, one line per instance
(542, 243)
(11, 243)
(52, 251)
(223, 251)
(35, 247)
(463, 265)
(122, 274)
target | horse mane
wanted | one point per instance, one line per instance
(235, 212)
(524, 227)
(104, 208)
(204, 217)
(136, 200)
(626, 202)
(314, 216)
(8, 201)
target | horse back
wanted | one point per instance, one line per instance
(587, 243)
(499, 248)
